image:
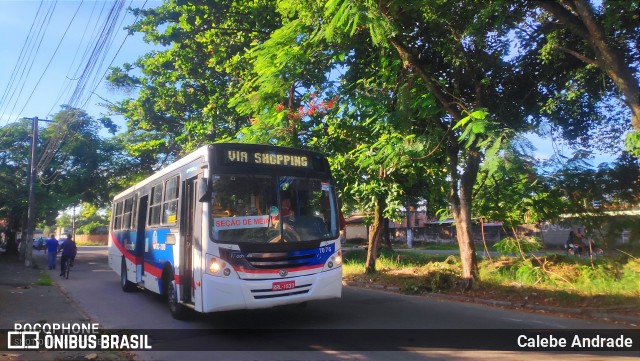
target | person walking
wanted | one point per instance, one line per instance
(51, 245)
(68, 252)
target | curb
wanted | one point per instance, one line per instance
(591, 313)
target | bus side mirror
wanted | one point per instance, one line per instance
(203, 189)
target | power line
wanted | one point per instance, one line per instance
(15, 67)
(117, 52)
(75, 57)
(21, 63)
(70, 79)
(32, 57)
(99, 52)
(90, 75)
(52, 57)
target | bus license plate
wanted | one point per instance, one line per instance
(282, 286)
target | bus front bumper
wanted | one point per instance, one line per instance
(230, 293)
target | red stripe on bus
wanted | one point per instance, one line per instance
(148, 267)
(122, 250)
(153, 270)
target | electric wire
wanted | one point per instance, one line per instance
(89, 78)
(52, 57)
(100, 50)
(18, 61)
(118, 51)
(32, 56)
(69, 79)
(21, 64)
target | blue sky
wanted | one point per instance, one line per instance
(56, 40)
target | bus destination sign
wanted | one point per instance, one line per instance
(266, 158)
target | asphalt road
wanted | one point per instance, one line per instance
(362, 325)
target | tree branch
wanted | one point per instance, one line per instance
(409, 57)
(569, 19)
(575, 54)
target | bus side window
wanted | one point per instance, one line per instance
(170, 205)
(117, 223)
(126, 216)
(155, 205)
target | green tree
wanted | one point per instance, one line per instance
(89, 219)
(184, 89)
(512, 189)
(73, 165)
(620, 182)
(15, 144)
(443, 77)
(208, 44)
(456, 54)
(598, 41)
(368, 132)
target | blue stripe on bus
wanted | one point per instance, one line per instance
(267, 262)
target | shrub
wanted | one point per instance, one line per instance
(509, 245)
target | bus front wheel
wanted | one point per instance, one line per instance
(177, 310)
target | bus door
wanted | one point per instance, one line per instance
(140, 237)
(189, 236)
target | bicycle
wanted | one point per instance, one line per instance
(67, 268)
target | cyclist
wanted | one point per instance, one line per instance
(68, 253)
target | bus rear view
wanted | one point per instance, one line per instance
(256, 227)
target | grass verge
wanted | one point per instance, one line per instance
(44, 280)
(552, 280)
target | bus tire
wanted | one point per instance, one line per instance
(127, 286)
(178, 311)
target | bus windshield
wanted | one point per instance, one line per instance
(270, 209)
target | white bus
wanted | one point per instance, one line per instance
(231, 226)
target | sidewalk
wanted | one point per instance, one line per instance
(27, 295)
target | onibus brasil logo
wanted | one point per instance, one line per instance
(71, 336)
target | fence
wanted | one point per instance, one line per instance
(93, 239)
(446, 233)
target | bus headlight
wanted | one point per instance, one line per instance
(216, 265)
(334, 261)
(337, 258)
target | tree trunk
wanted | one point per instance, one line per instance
(23, 242)
(374, 236)
(10, 238)
(460, 197)
(385, 235)
(409, 227)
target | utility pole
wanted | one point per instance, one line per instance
(73, 224)
(31, 217)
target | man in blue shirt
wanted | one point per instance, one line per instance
(52, 248)
(68, 252)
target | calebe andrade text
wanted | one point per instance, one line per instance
(577, 341)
